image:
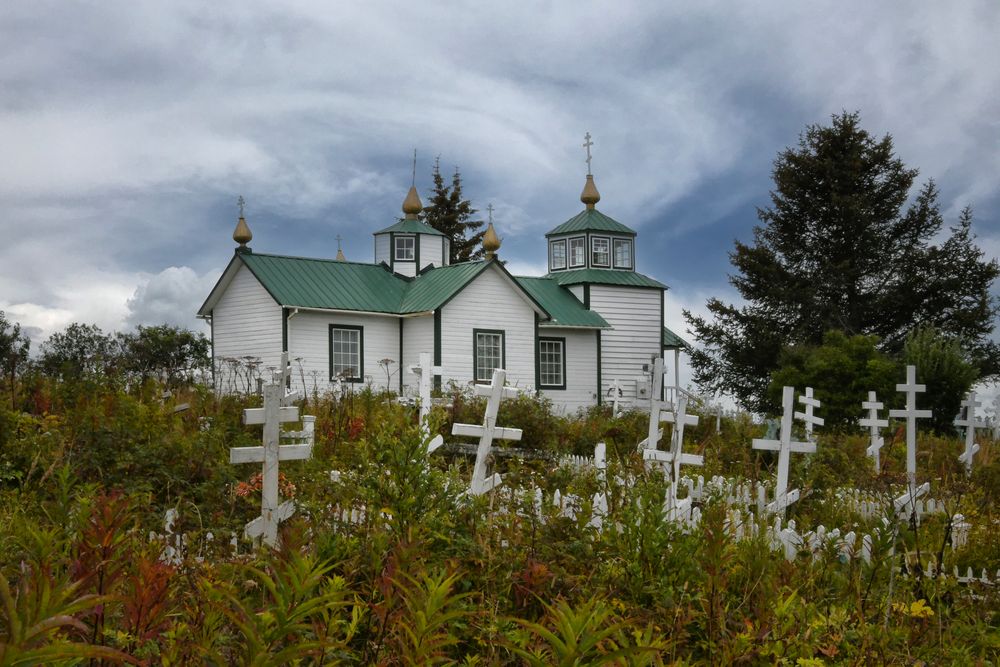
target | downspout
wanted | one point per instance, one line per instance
(288, 346)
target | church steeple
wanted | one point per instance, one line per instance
(590, 196)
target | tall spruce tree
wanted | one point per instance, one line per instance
(840, 249)
(451, 215)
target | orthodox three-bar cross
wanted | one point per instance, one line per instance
(875, 439)
(911, 414)
(495, 392)
(675, 457)
(426, 372)
(587, 143)
(784, 446)
(808, 417)
(970, 425)
(616, 393)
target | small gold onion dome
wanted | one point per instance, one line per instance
(590, 195)
(340, 255)
(412, 205)
(491, 242)
(242, 233)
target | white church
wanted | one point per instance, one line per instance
(589, 327)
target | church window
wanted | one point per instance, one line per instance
(623, 254)
(488, 353)
(577, 252)
(600, 251)
(552, 363)
(347, 352)
(558, 260)
(405, 246)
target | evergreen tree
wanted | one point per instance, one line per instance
(451, 215)
(840, 249)
(14, 348)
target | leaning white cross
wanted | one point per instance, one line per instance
(616, 393)
(970, 424)
(875, 439)
(808, 417)
(426, 373)
(676, 456)
(784, 446)
(495, 391)
(657, 408)
(272, 415)
(911, 414)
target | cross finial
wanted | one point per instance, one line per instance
(489, 210)
(587, 143)
(339, 239)
(413, 182)
(240, 201)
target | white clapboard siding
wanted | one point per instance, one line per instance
(430, 250)
(408, 269)
(309, 339)
(382, 248)
(418, 336)
(247, 321)
(489, 302)
(637, 336)
(581, 369)
(577, 291)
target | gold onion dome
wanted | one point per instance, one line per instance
(242, 233)
(590, 196)
(491, 242)
(412, 205)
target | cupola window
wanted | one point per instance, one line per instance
(623, 254)
(577, 251)
(405, 246)
(558, 260)
(600, 252)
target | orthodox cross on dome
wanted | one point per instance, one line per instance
(241, 202)
(873, 405)
(489, 209)
(784, 446)
(587, 143)
(970, 424)
(339, 239)
(413, 181)
(911, 414)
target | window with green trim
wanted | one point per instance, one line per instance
(487, 353)
(552, 363)
(405, 247)
(347, 352)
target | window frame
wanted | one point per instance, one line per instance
(569, 252)
(562, 361)
(396, 247)
(593, 260)
(631, 253)
(475, 352)
(361, 352)
(552, 255)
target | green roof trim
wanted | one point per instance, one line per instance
(672, 341)
(407, 226)
(591, 220)
(432, 288)
(327, 284)
(604, 277)
(564, 308)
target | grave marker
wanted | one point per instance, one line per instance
(970, 424)
(616, 394)
(676, 456)
(911, 414)
(876, 441)
(425, 373)
(784, 446)
(272, 415)
(495, 391)
(808, 417)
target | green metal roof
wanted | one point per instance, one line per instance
(564, 308)
(435, 286)
(591, 220)
(604, 277)
(326, 283)
(406, 226)
(672, 341)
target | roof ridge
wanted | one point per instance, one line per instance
(309, 259)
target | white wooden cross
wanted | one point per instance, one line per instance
(876, 441)
(911, 414)
(426, 373)
(657, 408)
(808, 417)
(676, 455)
(495, 391)
(272, 415)
(616, 394)
(784, 446)
(970, 424)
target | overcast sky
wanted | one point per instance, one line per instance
(129, 128)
